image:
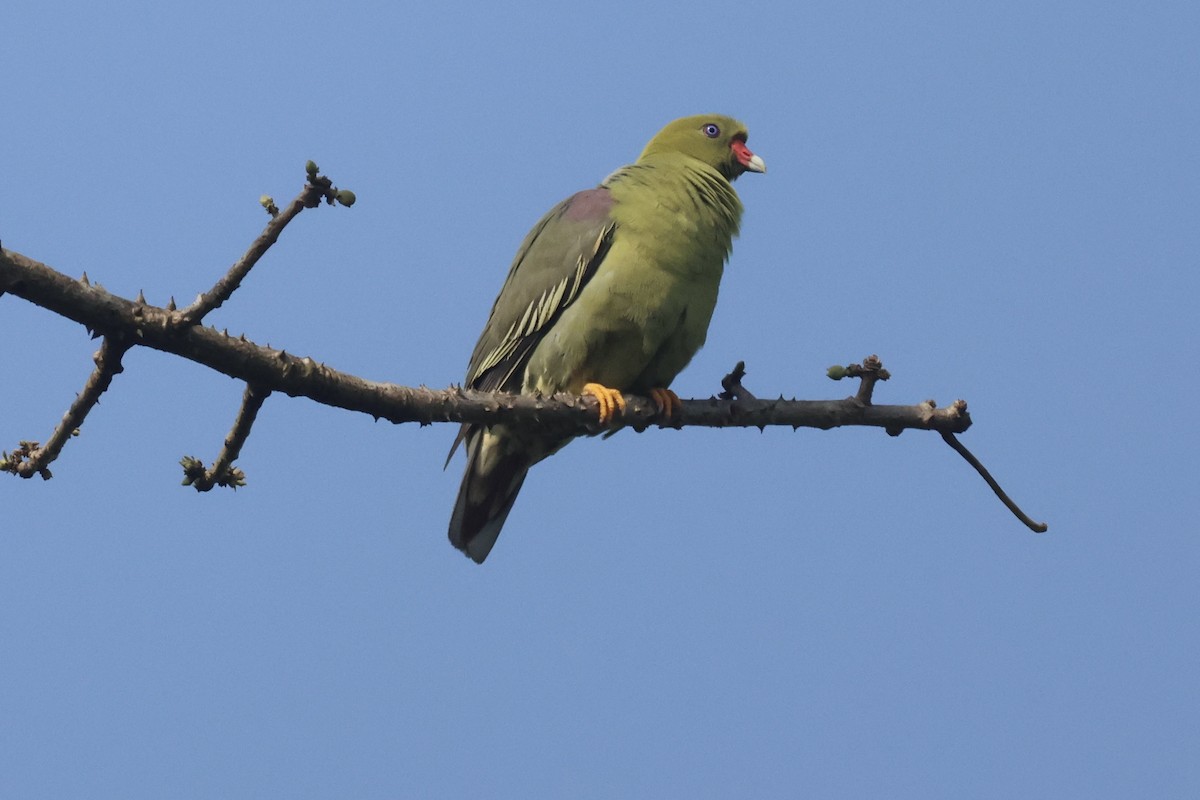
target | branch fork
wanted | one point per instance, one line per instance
(138, 322)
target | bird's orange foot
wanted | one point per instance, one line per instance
(610, 400)
(669, 404)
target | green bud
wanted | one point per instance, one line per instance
(836, 372)
(311, 167)
(346, 197)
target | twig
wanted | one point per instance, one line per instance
(223, 473)
(317, 189)
(30, 459)
(870, 371)
(731, 384)
(952, 440)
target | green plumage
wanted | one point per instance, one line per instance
(616, 286)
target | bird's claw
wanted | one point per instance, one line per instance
(668, 403)
(610, 400)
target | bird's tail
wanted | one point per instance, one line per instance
(496, 468)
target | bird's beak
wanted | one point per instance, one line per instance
(749, 161)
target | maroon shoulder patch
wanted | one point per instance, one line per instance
(590, 204)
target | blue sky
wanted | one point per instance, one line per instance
(1001, 201)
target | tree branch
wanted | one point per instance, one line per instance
(223, 473)
(277, 370)
(317, 189)
(126, 323)
(952, 440)
(29, 459)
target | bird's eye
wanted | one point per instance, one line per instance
(711, 131)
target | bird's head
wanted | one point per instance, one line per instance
(716, 140)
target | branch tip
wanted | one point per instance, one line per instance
(222, 472)
(310, 196)
(960, 448)
(30, 458)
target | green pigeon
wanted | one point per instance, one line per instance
(612, 291)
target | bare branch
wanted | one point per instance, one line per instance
(29, 459)
(960, 448)
(317, 189)
(223, 473)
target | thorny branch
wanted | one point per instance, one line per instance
(29, 458)
(124, 323)
(317, 189)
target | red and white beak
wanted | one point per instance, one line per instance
(749, 161)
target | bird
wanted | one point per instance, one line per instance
(611, 292)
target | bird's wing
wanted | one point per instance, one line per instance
(556, 260)
(558, 257)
